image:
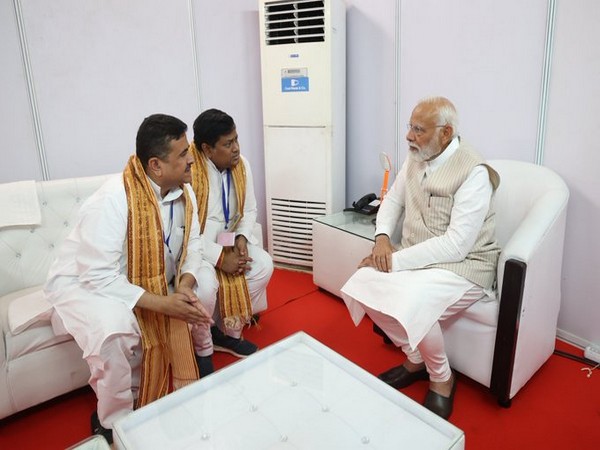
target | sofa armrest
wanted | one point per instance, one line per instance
(548, 213)
(529, 280)
(507, 330)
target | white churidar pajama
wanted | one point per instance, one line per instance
(408, 302)
(262, 265)
(93, 300)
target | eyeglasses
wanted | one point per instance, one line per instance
(418, 130)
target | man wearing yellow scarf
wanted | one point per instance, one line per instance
(123, 284)
(234, 287)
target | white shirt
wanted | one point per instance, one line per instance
(92, 261)
(215, 216)
(471, 205)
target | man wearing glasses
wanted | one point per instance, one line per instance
(447, 256)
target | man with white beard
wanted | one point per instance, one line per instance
(447, 256)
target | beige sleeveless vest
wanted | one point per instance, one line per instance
(429, 205)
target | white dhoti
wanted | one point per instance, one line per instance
(261, 269)
(108, 333)
(415, 298)
(407, 305)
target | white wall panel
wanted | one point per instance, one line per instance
(19, 154)
(573, 150)
(100, 68)
(487, 57)
(371, 90)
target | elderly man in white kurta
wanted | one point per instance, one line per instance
(234, 288)
(447, 256)
(89, 284)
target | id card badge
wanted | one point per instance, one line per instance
(226, 239)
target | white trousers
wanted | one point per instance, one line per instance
(431, 349)
(108, 333)
(261, 269)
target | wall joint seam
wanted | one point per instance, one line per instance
(33, 103)
(544, 92)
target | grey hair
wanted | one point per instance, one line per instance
(447, 114)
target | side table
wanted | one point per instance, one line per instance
(340, 242)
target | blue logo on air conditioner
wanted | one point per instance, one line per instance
(294, 84)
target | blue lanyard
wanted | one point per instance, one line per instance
(226, 195)
(168, 238)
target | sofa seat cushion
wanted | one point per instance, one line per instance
(26, 308)
(484, 311)
(31, 335)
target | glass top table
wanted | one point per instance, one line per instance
(294, 394)
(360, 225)
(340, 242)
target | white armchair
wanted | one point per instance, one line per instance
(498, 343)
(502, 344)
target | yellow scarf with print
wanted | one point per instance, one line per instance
(233, 296)
(168, 352)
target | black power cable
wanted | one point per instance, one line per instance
(580, 359)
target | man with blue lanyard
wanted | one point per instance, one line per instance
(233, 289)
(118, 307)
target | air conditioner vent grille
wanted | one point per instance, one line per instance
(293, 22)
(291, 229)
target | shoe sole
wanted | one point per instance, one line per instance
(218, 348)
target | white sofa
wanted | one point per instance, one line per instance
(36, 365)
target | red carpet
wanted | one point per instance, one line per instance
(558, 408)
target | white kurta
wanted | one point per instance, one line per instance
(261, 266)
(413, 294)
(215, 217)
(93, 258)
(92, 298)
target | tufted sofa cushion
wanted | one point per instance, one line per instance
(26, 252)
(35, 337)
(35, 364)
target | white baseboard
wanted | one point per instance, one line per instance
(575, 340)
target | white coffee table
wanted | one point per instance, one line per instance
(295, 394)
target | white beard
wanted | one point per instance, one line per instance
(425, 153)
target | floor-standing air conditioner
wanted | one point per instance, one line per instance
(303, 62)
